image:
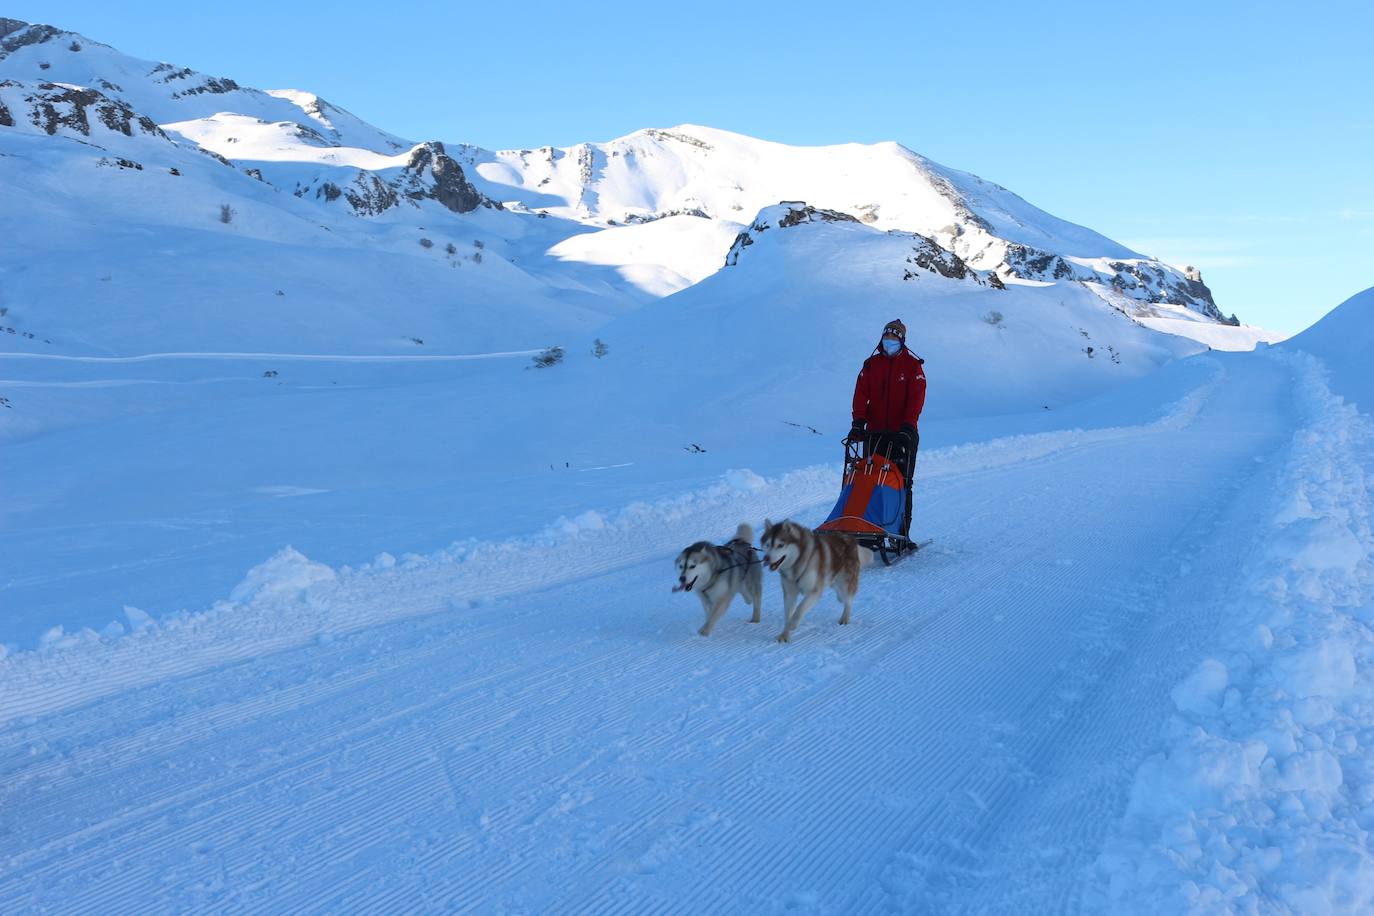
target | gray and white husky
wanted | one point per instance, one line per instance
(808, 562)
(718, 573)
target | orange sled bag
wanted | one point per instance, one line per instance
(872, 499)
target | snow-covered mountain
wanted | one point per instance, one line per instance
(565, 239)
(38, 54)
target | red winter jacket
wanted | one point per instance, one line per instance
(891, 391)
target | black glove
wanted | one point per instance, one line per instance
(908, 434)
(856, 432)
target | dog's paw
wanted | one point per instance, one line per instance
(704, 631)
(784, 636)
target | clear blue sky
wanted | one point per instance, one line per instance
(1238, 137)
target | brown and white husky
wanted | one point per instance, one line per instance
(808, 562)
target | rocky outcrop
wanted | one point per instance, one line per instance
(799, 213)
(640, 218)
(215, 156)
(657, 134)
(368, 195)
(1033, 264)
(429, 174)
(10, 26)
(432, 174)
(15, 34)
(53, 107)
(1145, 280)
(928, 256)
(213, 85)
(785, 215)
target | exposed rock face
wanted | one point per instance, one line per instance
(929, 256)
(15, 35)
(741, 242)
(1033, 264)
(6, 119)
(429, 174)
(450, 186)
(680, 138)
(800, 212)
(796, 213)
(53, 107)
(368, 195)
(212, 84)
(633, 218)
(215, 156)
(1148, 281)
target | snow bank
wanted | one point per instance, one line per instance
(290, 600)
(1262, 797)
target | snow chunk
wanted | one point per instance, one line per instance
(1202, 691)
(745, 481)
(1325, 670)
(287, 574)
(591, 520)
(1204, 771)
(1321, 545)
(139, 620)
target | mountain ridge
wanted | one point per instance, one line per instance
(572, 220)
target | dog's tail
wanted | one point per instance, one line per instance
(745, 533)
(865, 557)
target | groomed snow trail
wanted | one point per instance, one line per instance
(967, 743)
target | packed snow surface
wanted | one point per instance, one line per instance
(1130, 672)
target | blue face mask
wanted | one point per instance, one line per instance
(891, 347)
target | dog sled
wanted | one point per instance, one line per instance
(873, 503)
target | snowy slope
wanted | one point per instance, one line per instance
(568, 205)
(553, 736)
(758, 359)
(166, 92)
(1344, 340)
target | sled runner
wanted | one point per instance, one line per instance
(872, 504)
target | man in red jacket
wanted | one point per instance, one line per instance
(888, 397)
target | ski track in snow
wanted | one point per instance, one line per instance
(74, 668)
(562, 740)
(1261, 794)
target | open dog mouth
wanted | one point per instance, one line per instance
(685, 588)
(776, 563)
